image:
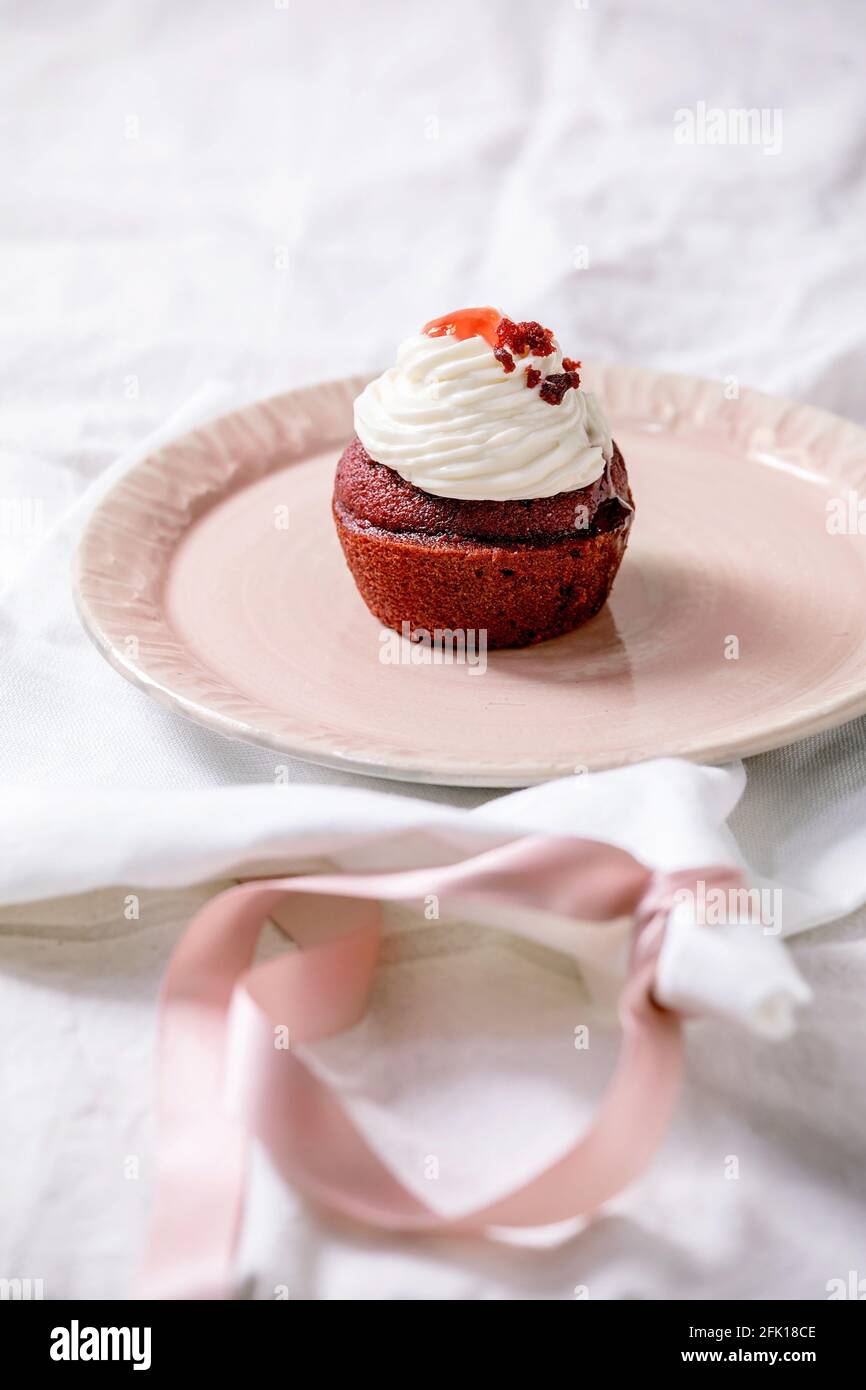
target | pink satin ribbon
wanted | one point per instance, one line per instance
(223, 1077)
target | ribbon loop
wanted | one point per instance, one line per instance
(223, 1076)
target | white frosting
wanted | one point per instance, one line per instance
(451, 421)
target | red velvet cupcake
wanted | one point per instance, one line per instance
(482, 492)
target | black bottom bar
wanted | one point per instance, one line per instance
(251, 1338)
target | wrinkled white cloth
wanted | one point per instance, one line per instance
(279, 196)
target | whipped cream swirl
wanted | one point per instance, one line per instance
(452, 422)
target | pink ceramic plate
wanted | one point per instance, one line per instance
(211, 576)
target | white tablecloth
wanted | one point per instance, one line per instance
(271, 195)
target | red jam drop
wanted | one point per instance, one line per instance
(467, 323)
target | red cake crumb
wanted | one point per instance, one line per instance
(503, 356)
(555, 386)
(521, 338)
(533, 376)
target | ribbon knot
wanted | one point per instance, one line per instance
(661, 895)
